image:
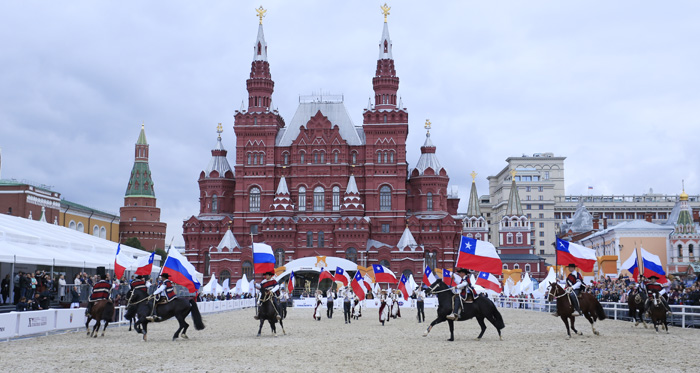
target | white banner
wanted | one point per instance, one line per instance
(70, 318)
(33, 322)
(8, 325)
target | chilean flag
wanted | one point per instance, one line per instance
(631, 265)
(341, 276)
(182, 272)
(368, 281)
(290, 285)
(383, 274)
(653, 267)
(144, 264)
(121, 262)
(478, 255)
(428, 276)
(403, 286)
(357, 285)
(488, 281)
(569, 252)
(324, 274)
(263, 258)
(447, 277)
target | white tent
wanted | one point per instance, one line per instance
(225, 286)
(212, 287)
(541, 292)
(508, 289)
(312, 264)
(526, 285)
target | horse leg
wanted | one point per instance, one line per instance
(430, 327)
(104, 328)
(180, 322)
(184, 331)
(95, 328)
(573, 321)
(87, 325)
(480, 320)
(145, 330)
(451, 323)
(272, 326)
(261, 325)
(566, 322)
(282, 325)
(591, 320)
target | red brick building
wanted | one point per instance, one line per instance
(321, 185)
(139, 217)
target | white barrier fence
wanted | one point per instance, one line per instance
(19, 324)
(683, 316)
(367, 303)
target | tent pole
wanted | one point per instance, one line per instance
(12, 280)
(52, 265)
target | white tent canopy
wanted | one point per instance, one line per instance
(26, 241)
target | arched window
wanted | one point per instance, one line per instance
(478, 236)
(301, 157)
(96, 230)
(321, 241)
(505, 266)
(335, 157)
(214, 204)
(680, 250)
(224, 275)
(516, 266)
(315, 157)
(103, 232)
(248, 269)
(386, 157)
(286, 158)
(429, 199)
(255, 158)
(351, 254)
(509, 238)
(80, 227)
(319, 197)
(690, 249)
(408, 273)
(254, 199)
(431, 260)
(71, 225)
(309, 239)
(385, 263)
(527, 268)
(336, 198)
(379, 156)
(302, 198)
(469, 235)
(279, 257)
(323, 157)
(385, 198)
(391, 157)
(519, 238)
(354, 157)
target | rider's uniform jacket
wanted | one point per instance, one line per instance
(138, 285)
(169, 290)
(100, 291)
(655, 288)
(461, 284)
(270, 285)
(574, 280)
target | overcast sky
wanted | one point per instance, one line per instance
(614, 86)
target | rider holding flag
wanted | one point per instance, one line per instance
(656, 291)
(574, 281)
(269, 285)
(461, 280)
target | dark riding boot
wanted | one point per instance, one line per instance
(574, 301)
(456, 308)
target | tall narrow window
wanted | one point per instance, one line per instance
(351, 254)
(248, 269)
(250, 156)
(286, 158)
(302, 199)
(321, 241)
(335, 157)
(315, 157)
(430, 201)
(379, 157)
(319, 197)
(336, 198)
(301, 158)
(214, 204)
(279, 257)
(254, 202)
(323, 157)
(354, 158)
(391, 157)
(309, 239)
(385, 198)
(386, 157)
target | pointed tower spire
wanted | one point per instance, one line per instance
(473, 209)
(385, 81)
(428, 158)
(228, 241)
(514, 207)
(282, 204)
(407, 240)
(140, 183)
(260, 85)
(684, 223)
(352, 204)
(218, 161)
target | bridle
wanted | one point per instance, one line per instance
(433, 286)
(552, 292)
(129, 303)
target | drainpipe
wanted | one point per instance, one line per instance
(64, 216)
(89, 218)
(110, 227)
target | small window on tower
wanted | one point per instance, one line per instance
(259, 49)
(386, 46)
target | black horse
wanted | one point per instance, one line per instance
(657, 312)
(141, 305)
(266, 312)
(635, 304)
(481, 308)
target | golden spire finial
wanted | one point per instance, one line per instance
(385, 9)
(473, 174)
(427, 125)
(261, 13)
(219, 128)
(143, 124)
(513, 172)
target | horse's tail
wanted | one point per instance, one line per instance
(497, 318)
(196, 316)
(600, 311)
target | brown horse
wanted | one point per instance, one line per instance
(657, 311)
(591, 308)
(102, 310)
(635, 303)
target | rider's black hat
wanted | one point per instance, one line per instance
(269, 273)
(462, 270)
(139, 277)
(164, 275)
(653, 277)
(572, 265)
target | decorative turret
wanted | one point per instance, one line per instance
(407, 241)
(228, 241)
(385, 81)
(260, 85)
(352, 203)
(514, 207)
(282, 204)
(514, 228)
(474, 224)
(218, 166)
(217, 182)
(140, 183)
(685, 223)
(473, 207)
(428, 159)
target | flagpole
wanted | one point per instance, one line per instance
(167, 253)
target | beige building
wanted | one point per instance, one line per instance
(88, 220)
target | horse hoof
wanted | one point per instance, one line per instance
(596, 333)
(425, 334)
(258, 335)
(174, 339)
(274, 335)
(568, 337)
(500, 338)
(477, 339)
(184, 336)
(451, 340)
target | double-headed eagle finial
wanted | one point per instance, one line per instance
(427, 125)
(385, 10)
(261, 13)
(473, 174)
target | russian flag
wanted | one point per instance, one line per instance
(403, 286)
(121, 262)
(428, 276)
(144, 264)
(290, 285)
(341, 276)
(478, 255)
(357, 285)
(631, 265)
(447, 277)
(488, 281)
(182, 272)
(383, 274)
(569, 252)
(653, 267)
(263, 258)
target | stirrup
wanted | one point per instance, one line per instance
(278, 317)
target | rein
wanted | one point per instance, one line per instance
(432, 289)
(552, 291)
(129, 303)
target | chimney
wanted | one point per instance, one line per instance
(596, 224)
(648, 216)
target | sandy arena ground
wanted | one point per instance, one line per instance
(533, 341)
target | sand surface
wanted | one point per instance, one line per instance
(533, 341)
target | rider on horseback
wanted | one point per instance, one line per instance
(270, 285)
(462, 285)
(574, 281)
(656, 291)
(100, 291)
(139, 284)
(166, 287)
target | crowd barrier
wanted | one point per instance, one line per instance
(20, 324)
(683, 316)
(367, 303)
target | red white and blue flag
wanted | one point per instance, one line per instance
(632, 265)
(383, 274)
(144, 264)
(581, 256)
(404, 286)
(324, 274)
(341, 276)
(358, 286)
(479, 256)
(652, 266)
(488, 281)
(121, 262)
(447, 277)
(290, 285)
(368, 281)
(182, 272)
(263, 258)
(428, 276)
